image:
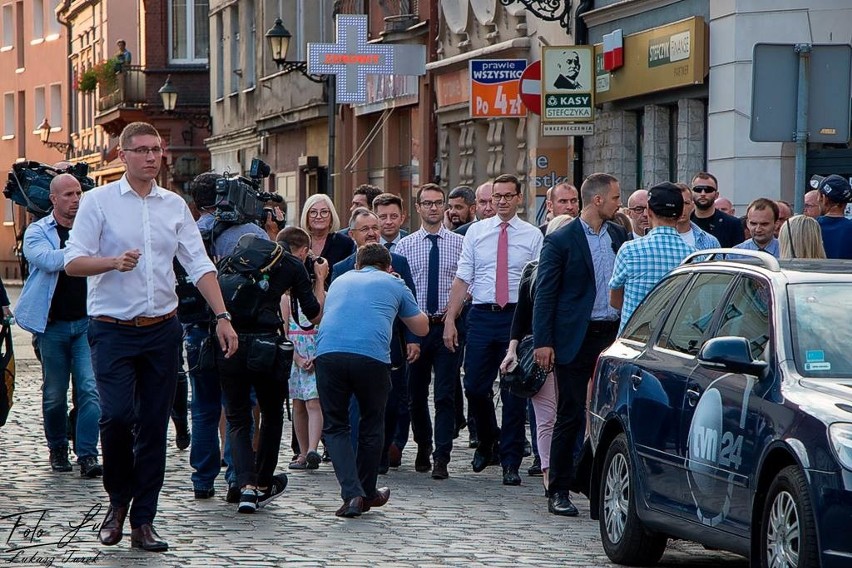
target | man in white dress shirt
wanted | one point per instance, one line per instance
(124, 238)
(494, 253)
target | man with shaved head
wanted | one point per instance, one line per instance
(562, 199)
(812, 203)
(637, 210)
(53, 307)
(484, 207)
(724, 205)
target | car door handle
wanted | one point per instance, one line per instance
(636, 380)
(692, 396)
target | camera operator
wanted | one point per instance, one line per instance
(205, 457)
(252, 366)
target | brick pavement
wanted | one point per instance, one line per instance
(468, 520)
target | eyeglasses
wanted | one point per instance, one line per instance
(639, 209)
(144, 150)
(368, 229)
(322, 213)
(703, 189)
(497, 198)
(431, 204)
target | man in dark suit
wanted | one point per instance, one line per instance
(572, 319)
(365, 228)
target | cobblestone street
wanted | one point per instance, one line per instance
(468, 520)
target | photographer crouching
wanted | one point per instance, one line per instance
(253, 279)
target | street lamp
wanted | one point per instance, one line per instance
(44, 135)
(279, 42)
(169, 95)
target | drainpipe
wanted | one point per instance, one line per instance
(70, 75)
(581, 37)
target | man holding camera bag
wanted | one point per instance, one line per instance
(253, 278)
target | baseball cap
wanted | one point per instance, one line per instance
(665, 200)
(836, 188)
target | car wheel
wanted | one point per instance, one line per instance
(625, 538)
(788, 530)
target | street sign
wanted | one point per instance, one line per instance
(495, 87)
(531, 87)
(567, 129)
(567, 85)
(775, 72)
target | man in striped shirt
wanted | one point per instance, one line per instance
(432, 253)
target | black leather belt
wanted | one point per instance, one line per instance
(494, 307)
(603, 326)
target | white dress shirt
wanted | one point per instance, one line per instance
(113, 219)
(478, 262)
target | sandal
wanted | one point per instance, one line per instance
(298, 464)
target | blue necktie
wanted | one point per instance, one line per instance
(432, 283)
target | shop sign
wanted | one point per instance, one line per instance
(495, 87)
(567, 84)
(667, 57)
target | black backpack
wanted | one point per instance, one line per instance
(244, 276)
(192, 307)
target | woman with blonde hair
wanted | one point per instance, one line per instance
(801, 237)
(320, 220)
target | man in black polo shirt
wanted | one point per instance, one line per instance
(727, 228)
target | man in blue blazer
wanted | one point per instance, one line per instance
(572, 319)
(405, 347)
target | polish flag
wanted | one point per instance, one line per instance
(613, 50)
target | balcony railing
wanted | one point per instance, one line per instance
(129, 89)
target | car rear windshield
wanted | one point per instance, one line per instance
(821, 321)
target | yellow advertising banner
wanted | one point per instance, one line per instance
(674, 55)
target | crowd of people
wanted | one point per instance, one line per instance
(376, 318)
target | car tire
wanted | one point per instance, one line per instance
(788, 530)
(625, 539)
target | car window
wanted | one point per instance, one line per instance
(685, 329)
(647, 316)
(821, 328)
(746, 314)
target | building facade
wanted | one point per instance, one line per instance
(34, 82)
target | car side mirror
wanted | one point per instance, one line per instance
(731, 354)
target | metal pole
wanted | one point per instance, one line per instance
(331, 93)
(801, 136)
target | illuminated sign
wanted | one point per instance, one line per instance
(353, 58)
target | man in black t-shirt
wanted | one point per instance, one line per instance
(727, 228)
(53, 307)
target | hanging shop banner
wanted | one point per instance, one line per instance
(495, 87)
(567, 84)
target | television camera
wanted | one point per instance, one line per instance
(240, 199)
(29, 184)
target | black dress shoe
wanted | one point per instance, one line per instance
(351, 508)
(511, 476)
(440, 470)
(535, 469)
(146, 538)
(560, 503)
(378, 500)
(482, 458)
(423, 461)
(113, 526)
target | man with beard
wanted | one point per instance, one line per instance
(691, 233)
(461, 207)
(572, 319)
(726, 228)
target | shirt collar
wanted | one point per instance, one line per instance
(588, 229)
(513, 222)
(442, 232)
(663, 230)
(124, 186)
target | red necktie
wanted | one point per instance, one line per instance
(502, 291)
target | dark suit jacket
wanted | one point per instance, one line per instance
(337, 247)
(401, 267)
(565, 289)
(463, 229)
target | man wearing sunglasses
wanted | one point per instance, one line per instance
(727, 228)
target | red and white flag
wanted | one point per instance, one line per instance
(613, 50)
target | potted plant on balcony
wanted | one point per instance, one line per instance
(101, 74)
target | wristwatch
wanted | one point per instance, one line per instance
(223, 316)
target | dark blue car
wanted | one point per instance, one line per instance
(723, 415)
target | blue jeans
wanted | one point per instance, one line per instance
(65, 354)
(206, 407)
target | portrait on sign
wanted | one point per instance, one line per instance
(568, 69)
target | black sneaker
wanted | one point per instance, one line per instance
(248, 501)
(276, 488)
(233, 495)
(59, 459)
(89, 467)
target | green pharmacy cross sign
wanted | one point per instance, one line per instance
(352, 58)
